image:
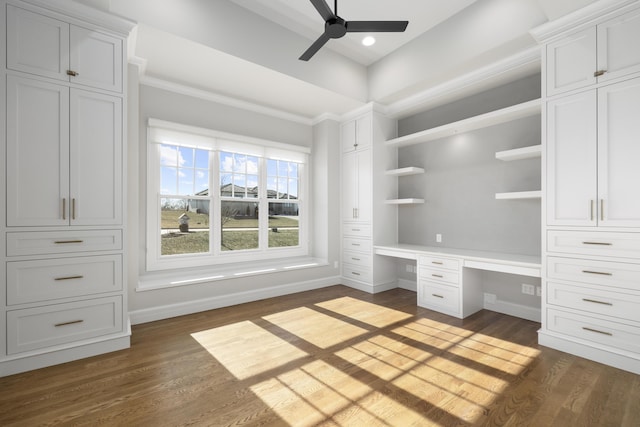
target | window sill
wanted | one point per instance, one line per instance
(170, 279)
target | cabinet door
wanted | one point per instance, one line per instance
(348, 136)
(349, 186)
(96, 158)
(619, 154)
(572, 160)
(37, 153)
(37, 44)
(364, 132)
(571, 62)
(97, 58)
(365, 186)
(618, 52)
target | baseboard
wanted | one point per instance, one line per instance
(190, 307)
(366, 287)
(516, 310)
(410, 285)
(608, 357)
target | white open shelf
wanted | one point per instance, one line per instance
(404, 171)
(519, 195)
(520, 153)
(504, 115)
(404, 201)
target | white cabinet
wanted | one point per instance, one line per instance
(64, 264)
(44, 46)
(356, 186)
(67, 170)
(592, 157)
(356, 134)
(594, 55)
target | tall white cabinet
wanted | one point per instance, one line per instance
(62, 219)
(366, 219)
(591, 209)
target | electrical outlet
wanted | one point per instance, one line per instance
(528, 289)
(489, 298)
(538, 291)
(438, 238)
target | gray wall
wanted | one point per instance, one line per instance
(462, 176)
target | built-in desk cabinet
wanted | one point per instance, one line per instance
(63, 269)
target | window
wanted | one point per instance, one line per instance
(216, 198)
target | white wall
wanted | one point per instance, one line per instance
(165, 105)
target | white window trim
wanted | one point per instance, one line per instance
(160, 131)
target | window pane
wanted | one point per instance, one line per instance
(239, 221)
(239, 163)
(185, 182)
(252, 186)
(226, 161)
(293, 170)
(202, 182)
(184, 226)
(202, 159)
(283, 224)
(272, 188)
(283, 168)
(282, 188)
(252, 165)
(168, 180)
(272, 167)
(185, 157)
(168, 155)
(239, 186)
(293, 188)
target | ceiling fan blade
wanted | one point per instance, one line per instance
(323, 9)
(315, 47)
(376, 26)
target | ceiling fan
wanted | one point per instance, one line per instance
(336, 27)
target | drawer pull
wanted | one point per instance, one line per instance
(355, 274)
(355, 229)
(597, 272)
(436, 262)
(355, 259)
(58, 242)
(355, 244)
(72, 73)
(597, 243)
(599, 73)
(596, 301)
(437, 275)
(73, 322)
(69, 278)
(437, 296)
(597, 331)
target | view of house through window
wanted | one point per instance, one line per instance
(255, 207)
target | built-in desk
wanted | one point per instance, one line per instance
(449, 280)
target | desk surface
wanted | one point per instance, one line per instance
(484, 260)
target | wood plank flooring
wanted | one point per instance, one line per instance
(330, 357)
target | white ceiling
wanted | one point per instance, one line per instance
(301, 17)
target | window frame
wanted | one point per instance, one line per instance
(162, 132)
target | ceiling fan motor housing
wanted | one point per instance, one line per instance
(336, 27)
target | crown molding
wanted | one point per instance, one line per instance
(581, 18)
(325, 116)
(86, 13)
(524, 62)
(222, 99)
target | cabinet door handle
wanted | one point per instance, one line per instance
(599, 73)
(437, 275)
(64, 208)
(73, 208)
(72, 322)
(597, 272)
(591, 210)
(72, 73)
(68, 278)
(436, 262)
(597, 243)
(597, 331)
(355, 259)
(355, 274)
(355, 244)
(58, 242)
(437, 296)
(601, 209)
(596, 301)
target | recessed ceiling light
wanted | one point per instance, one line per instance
(368, 41)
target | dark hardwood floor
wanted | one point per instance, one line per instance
(334, 357)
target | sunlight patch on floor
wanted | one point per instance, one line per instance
(366, 312)
(439, 336)
(246, 349)
(316, 328)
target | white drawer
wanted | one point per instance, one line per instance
(624, 245)
(439, 262)
(445, 276)
(617, 274)
(357, 273)
(356, 230)
(57, 242)
(31, 281)
(357, 259)
(595, 300)
(612, 334)
(357, 245)
(439, 297)
(40, 327)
